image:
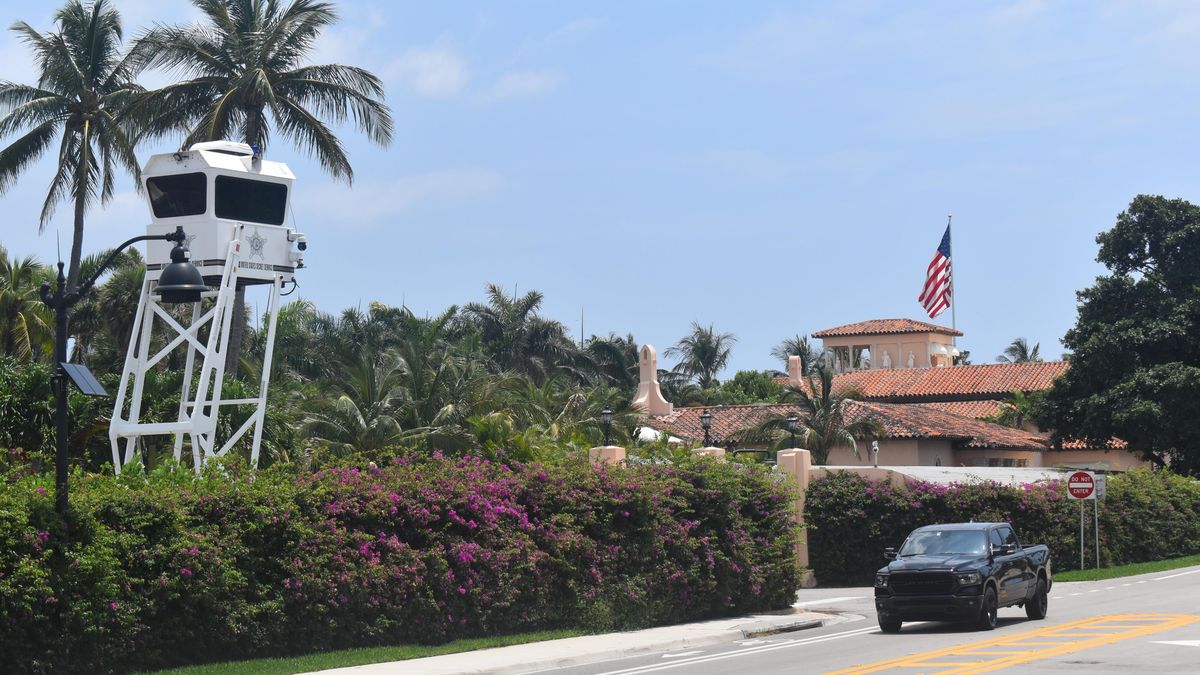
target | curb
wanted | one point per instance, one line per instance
(782, 628)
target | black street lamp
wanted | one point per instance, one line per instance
(606, 416)
(793, 423)
(706, 423)
(180, 282)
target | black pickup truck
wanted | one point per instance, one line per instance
(961, 572)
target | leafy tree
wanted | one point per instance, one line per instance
(84, 90)
(746, 386)
(26, 325)
(1018, 351)
(360, 417)
(246, 69)
(1020, 408)
(1135, 363)
(798, 345)
(614, 359)
(703, 353)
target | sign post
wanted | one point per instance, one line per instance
(1098, 494)
(1081, 486)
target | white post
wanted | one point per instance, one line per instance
(265, 377)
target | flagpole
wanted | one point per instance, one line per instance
(953, 298)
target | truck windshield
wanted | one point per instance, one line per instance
(945, 542)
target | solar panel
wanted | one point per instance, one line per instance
(83, 378)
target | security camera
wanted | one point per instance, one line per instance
(302, 244)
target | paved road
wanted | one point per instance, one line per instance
(1142, 624)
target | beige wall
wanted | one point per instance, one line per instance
(927, 452)
(1114, 459)
(897, 347)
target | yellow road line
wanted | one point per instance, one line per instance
(1084, 629)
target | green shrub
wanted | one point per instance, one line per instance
(166, 569)
(1146, 516)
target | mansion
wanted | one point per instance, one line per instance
(902, 376)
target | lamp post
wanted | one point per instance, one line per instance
(793, 423)
(706, 423)
(180, 282)
(606, 417)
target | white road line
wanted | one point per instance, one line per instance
(744, 652)
(1075, 594)
(827, 601)
(1124, 585)
(1094, 590)
(1142, 581)
(682, 654)
(1172, 576)
(1109, 588)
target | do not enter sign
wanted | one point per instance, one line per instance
(1081, 485)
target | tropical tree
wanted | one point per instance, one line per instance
(826, 420)
(517, 339)
(614, 360)
(797, 345)
(1018, 351)
(360, 417)
(82, 97)
(26, 325)
(702, 354)
(246, 71)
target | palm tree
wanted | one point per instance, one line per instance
(361, 416)
(614, 360)
(247, 60)
(517, 339)
(703, 353)
(798, 345)
(1019, 352)
(84, 90)
(26, 325)
(826, 419)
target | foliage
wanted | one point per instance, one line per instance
(1135, 364)
(823, 418)
(746, 386)
(702, 354)
(84, 91)
(798, 345)
(165, 569)
(852, 519)
(1019, 351)
(1021, 409)
(26, 325)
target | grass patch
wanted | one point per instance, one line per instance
(1127, 570)
(364, 656)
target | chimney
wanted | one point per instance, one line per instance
(795, 372)
(649, 395)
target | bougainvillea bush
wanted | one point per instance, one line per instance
(1146, 516)
(168, 569)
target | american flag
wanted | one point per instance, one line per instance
(935, 297)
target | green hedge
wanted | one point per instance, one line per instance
(1146, 516)
(148, 573)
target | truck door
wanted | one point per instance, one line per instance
(1014, 568)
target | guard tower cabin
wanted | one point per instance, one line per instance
(221, 192)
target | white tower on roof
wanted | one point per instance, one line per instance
(233, 206)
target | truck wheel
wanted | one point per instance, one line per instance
(1039, 603)
(889, 625)
(987, 610)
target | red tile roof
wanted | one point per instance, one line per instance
(897, 421)
(885, 327)
(975, 409)
(992, 380)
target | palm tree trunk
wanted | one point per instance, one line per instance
(81, 176)
(237, 330)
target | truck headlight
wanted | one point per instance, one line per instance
(881, 580)
(968, 579)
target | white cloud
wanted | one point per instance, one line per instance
(367, 203)
(1019, 12)
(433, 72)
(522, 84)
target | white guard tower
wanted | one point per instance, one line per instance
(232, 204)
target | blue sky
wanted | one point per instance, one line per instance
(770, 169)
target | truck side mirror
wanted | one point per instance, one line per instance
(889, 553)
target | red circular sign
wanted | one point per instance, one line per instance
(1081, 485)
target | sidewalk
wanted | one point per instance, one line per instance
(592, 648)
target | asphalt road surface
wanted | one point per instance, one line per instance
(1142, 624)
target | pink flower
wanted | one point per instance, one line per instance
(185, 573)
(41, 491)
(112, 605)
(462, 591)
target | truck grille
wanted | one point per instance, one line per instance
(921, 583)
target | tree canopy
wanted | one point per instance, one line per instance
(1135, 368)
